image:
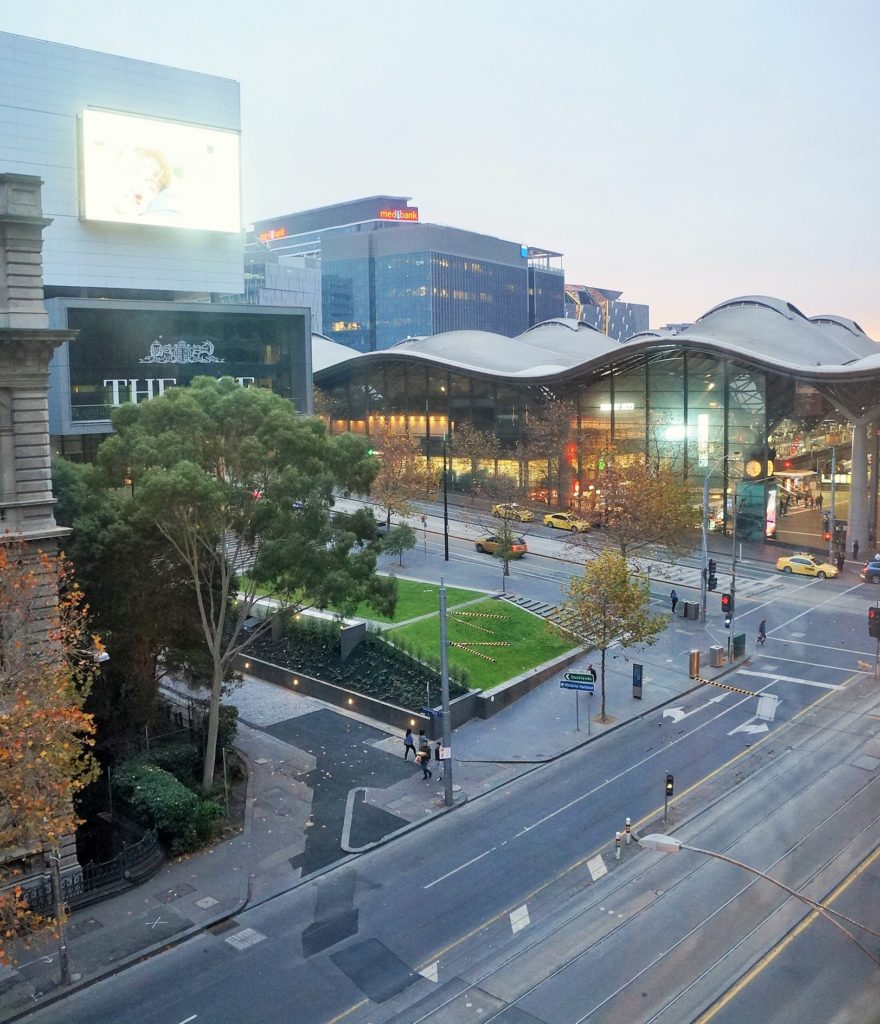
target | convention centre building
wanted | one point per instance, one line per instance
(756, 397)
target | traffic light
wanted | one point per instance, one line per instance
(712, 581)
(670, 783)
(827, 535)
(727, 608)
(874, 622)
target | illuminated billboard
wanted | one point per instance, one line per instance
(141, 170)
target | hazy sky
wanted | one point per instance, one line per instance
(684, 152)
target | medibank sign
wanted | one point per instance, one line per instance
(406, 213)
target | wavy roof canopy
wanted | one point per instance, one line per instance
(759, 330)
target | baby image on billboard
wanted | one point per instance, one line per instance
(141, 170)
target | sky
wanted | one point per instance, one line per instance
(682, 152)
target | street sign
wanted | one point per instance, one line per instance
(568, 684)
(581, 677)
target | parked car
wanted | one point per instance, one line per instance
(805, 564)
(566, 521)
(870, 572)
(491, 544)
(510, 510)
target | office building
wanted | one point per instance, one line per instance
(386, 275)
(143, 233)
(601, 308)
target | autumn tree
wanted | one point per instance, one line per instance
(399, 539)
(475, 445)
(644, 505)
(551, 427)
(606, 606)
(232, 478)
(47, 663)
(402, 474)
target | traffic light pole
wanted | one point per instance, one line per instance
(704, 581)
(732, 580)
(833, 516)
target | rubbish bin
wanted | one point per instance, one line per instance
(681, 609)
(716, 656)
(693, 610)
(694, 664)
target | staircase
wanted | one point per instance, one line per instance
(539, 608)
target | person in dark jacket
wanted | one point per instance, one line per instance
(409, 744)
(673, 597)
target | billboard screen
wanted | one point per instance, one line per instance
(134, 355)
(141, 170)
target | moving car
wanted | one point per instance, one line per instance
(566, 521)
(806, 564)
(510, 510)
(870, 571)
(491, 544)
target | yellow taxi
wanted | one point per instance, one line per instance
(510, 510)
(491, 544)
(566, 521)
(805, 564)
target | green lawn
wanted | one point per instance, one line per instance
(531, 644)
(414, 599)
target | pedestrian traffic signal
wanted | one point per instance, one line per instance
(874, 623)
(670, 783)
(827, 535)
(712, 581)
(727, 608)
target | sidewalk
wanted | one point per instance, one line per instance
(194, 892)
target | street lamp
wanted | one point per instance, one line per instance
(445, 499)
(704, 586)
(446, 732)
(668, 844)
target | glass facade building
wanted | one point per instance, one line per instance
(386, 276)
(708, 403)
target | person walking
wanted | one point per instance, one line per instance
(855, 550)
(839, 560)
(424, 760)
(819, 501)
(762, 632)
(673, 597)
(409, 744)
(439, 765)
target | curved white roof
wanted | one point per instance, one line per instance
(757, 329)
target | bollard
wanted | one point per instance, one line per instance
(617, 846)
(628, 831)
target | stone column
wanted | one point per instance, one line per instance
(857, 528)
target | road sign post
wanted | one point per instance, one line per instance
(578, 681)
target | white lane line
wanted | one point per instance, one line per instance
(812, 664)
(460, 867)
(815, 607)
(188, 1019)
(824, 647)
(789, 679)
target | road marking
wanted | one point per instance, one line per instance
(519, 918)
(596, 867)
(245, 938)
(768, 958)
(461, 867)
(188, 1019)
(824, 647)
(431, 972)
(750, 727)
(791, 679)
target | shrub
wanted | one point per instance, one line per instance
(181, 759)
(155, 797)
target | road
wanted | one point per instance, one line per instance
(494, 913)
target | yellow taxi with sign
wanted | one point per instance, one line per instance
(805, 564)
(566, 521)
(510, 510)
(492, 544)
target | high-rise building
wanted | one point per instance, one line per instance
(386, 276)
(601, 308)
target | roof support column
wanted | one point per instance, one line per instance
(857, 527)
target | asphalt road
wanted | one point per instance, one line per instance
(496, 903)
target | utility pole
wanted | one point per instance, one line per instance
(444, 697)
(60, 914)
(445, 500)
(833, 513)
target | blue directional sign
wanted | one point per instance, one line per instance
(570, 684)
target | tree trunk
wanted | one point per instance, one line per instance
(213, 729)
(602, 713)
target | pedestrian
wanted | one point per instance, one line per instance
(423, 739)
(839, 560)
(438, 759)
(424, 760)
(819, 501)
(409, 744)
(762, 632)
(673, 597)
(855, 550)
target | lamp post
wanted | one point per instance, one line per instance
(444, 696)
(445, 498)
(668, 844)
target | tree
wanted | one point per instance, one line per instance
(47, 663)
(550, 429)
(139, 599)
(605, 606)
(470, 443)
(644, 505)
(401, 538)
(233, 479)
(507, 536)
(402, 472)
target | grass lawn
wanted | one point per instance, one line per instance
(414, 599)
(531, 643)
